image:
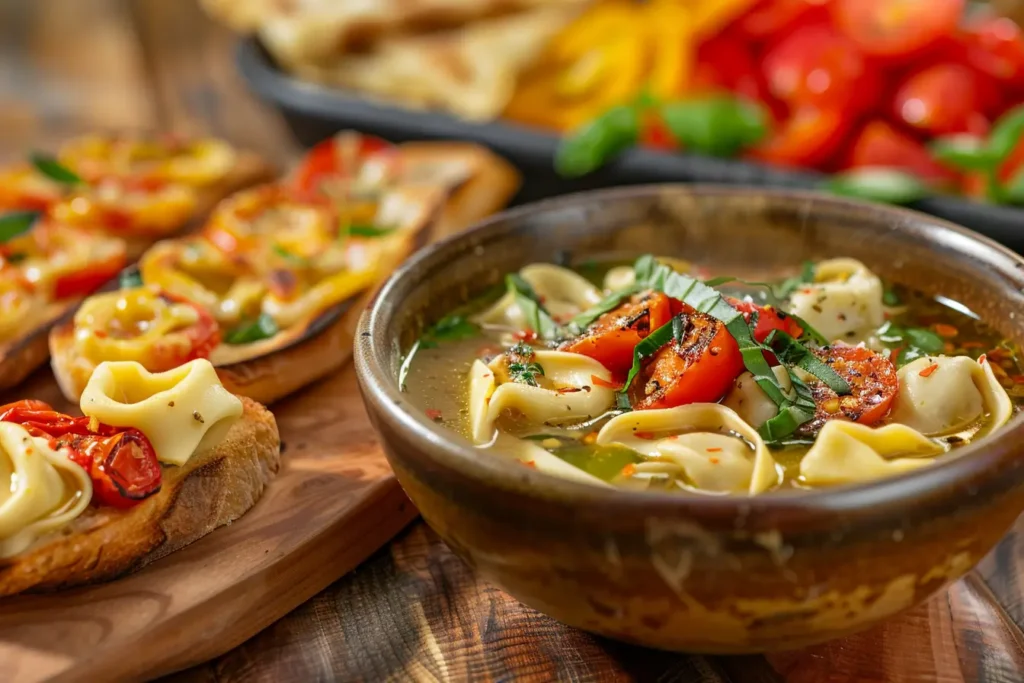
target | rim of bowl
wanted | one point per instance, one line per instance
(451, 450)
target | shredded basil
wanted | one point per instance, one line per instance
(792, 353)
(790, 285)
(14, 223)
(54, 170)
(289, 256)
(649, 346)
(453, 328)
(263, 327)
(606, 305)
(365, 230)
(794, 413)
(537, 318)
(912, 342)
(130, 278)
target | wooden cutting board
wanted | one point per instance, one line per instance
(334, 502)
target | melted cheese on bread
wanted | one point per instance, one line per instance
(180, 411)
(41, 490)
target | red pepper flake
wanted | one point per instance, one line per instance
(629, 470)
(434, 414)
(528, 463)
(713, 461)
(944, 330)
(597, 381)
(526, 335)
(569, 390)
(927, 372)
(713, 450)
(981, 359)
(100, 334)
(973, 345)
(647, 436)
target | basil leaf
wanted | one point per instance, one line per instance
(605, 305)
(366, 230)
(718, 125)
(926, 340)
(886, 185)
(810, 334)
(529, 303)
(1013, 193)
(792, 353)
(1006, 133)
(53, 169)
(289, 256)
(968, 152)
(660, 277)
(890, 298)
(263, 327)
(130, 278)
(452, 328)
(790, 285)
(794, 413)
(598, 141)
(907, 355)
(14, 223)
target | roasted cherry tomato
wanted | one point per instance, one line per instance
(339, 157)
(610, 340)
(816, 66)
(881, 145)
(771, 17)
(699, 368)
(896, 28)
(810, 137)
(943, 99)
(995, 47)
(725, 62)
(87, 280)
(873, 386)
(769, 318)
(120, 462)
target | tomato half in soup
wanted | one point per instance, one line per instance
(873, 386)
(610, 340)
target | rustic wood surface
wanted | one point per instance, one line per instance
(413, 612)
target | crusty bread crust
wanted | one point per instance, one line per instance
(212, 489)
(21, 357)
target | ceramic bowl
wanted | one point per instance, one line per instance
(715, 574)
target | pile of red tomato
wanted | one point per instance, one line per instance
(867, 83)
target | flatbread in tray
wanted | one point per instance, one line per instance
(270, 291)
(69, 223)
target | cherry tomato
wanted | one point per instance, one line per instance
(873, 386)
(896, 28)
(610, 340)
(881, 145)
(698, 368)
(815, 66)
(943, 99)
(725, 62)
(121, 464)
(203, 336)
(89, 279)
(768, 318)
(810, 137)
(339, 156)
(771, 17)
(995, 47)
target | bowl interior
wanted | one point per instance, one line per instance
(749, 233)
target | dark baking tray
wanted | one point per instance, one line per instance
(315, 112)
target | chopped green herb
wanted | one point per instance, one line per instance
(790, 285)
(53, 169)
(525, 373)
(716, 125)
(130, 278)
(14, 223)
(453, 328)
(648, 347)
(890, 298)
(907, 355)
(1006, 133)
(792, 353)
(289, 256)
(529, 303)
(263, 327)
(598, 141)
(790, 416)
(926, 340)
(964, 151)
(606, 305)
(365, 230)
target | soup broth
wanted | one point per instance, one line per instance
(642, 376)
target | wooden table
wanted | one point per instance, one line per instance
(415, 612)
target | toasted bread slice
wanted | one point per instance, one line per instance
(212, 489)
(20, 357)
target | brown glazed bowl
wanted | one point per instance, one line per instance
(722, 574)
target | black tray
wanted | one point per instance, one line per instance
(314, 112)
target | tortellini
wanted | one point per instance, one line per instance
(749, 401)
(716, 449)
(847, 452)
(940, 395)
(564, 293)
(566, 392)
(530, 454)
(843, 303)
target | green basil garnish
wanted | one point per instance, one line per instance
(795, 413)
(366, 230)
(964, 151)
(14, 223)
(598, 141)
(54, 170)
(130, 278)
(529, 303)
(888, 185)
(262, 328)
(289, 256)
(792, 353)
(718, 125)
(649, 346)
(606, 305)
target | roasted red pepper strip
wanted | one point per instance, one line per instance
(121, 463)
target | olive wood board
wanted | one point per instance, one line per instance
(333, 503)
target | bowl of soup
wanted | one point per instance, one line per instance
(706, 419)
